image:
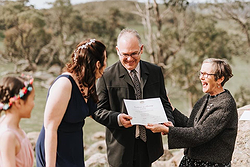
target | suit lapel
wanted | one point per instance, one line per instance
(124, 74)
(144, 74)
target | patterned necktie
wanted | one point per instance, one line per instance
(138, 95)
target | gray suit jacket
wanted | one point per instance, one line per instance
(112, 88)
(209, 136)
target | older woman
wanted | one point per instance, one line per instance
(208, 136)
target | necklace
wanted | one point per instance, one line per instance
(81, 87)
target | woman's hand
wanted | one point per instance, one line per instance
(158, 128)
(169, 123)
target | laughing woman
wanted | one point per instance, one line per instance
(209, 134)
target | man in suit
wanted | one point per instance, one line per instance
(125, 145)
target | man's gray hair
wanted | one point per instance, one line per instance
(129, 31)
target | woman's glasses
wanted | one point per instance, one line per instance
(204, 74)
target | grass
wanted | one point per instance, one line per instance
(241, 76)
(1, 45)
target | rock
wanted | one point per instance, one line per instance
(167, 153)
(97, 159)
(177, 156)
(99, 146)
(163, 164)
(241, 155)
(24, 65)
(55, 69)
(33, 136)
(3, 59)
(160, 163)
(171, 159)
(42, 75)
(45, 77)
(99, 136)
(46, 84)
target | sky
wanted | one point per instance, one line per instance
(41, 4)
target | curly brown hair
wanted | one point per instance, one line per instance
(83, 63)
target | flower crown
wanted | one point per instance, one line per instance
(83, 46)
(27, 88)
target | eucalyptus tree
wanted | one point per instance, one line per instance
(103, 21)
(236, 16)
(65, 25)
(71, 24)
(237, 12)
(205, 41)
(178, 38)
(23, 30)
(165, 29)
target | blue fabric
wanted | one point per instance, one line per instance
(70, 152)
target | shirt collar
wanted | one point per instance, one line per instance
(137, 69)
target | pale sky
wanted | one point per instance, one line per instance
(40, 4)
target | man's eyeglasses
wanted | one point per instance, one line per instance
(204, 74)
(134, 54)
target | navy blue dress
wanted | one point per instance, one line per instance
(70, 152)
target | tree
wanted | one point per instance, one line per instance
(70, 25)
(165, 29)
(104, 27)
(61, 28)
(65, 25)
(24, 33)
(242, 97)
(237, 12)
(178, 38)
(205, 41)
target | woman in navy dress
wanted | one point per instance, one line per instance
(71, 98)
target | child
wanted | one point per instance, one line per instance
(17, 100)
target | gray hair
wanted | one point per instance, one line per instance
(129, 31)
(221, 69)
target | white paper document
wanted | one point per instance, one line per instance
(246, 115)
(146, 111)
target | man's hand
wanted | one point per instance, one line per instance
(125, 120)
